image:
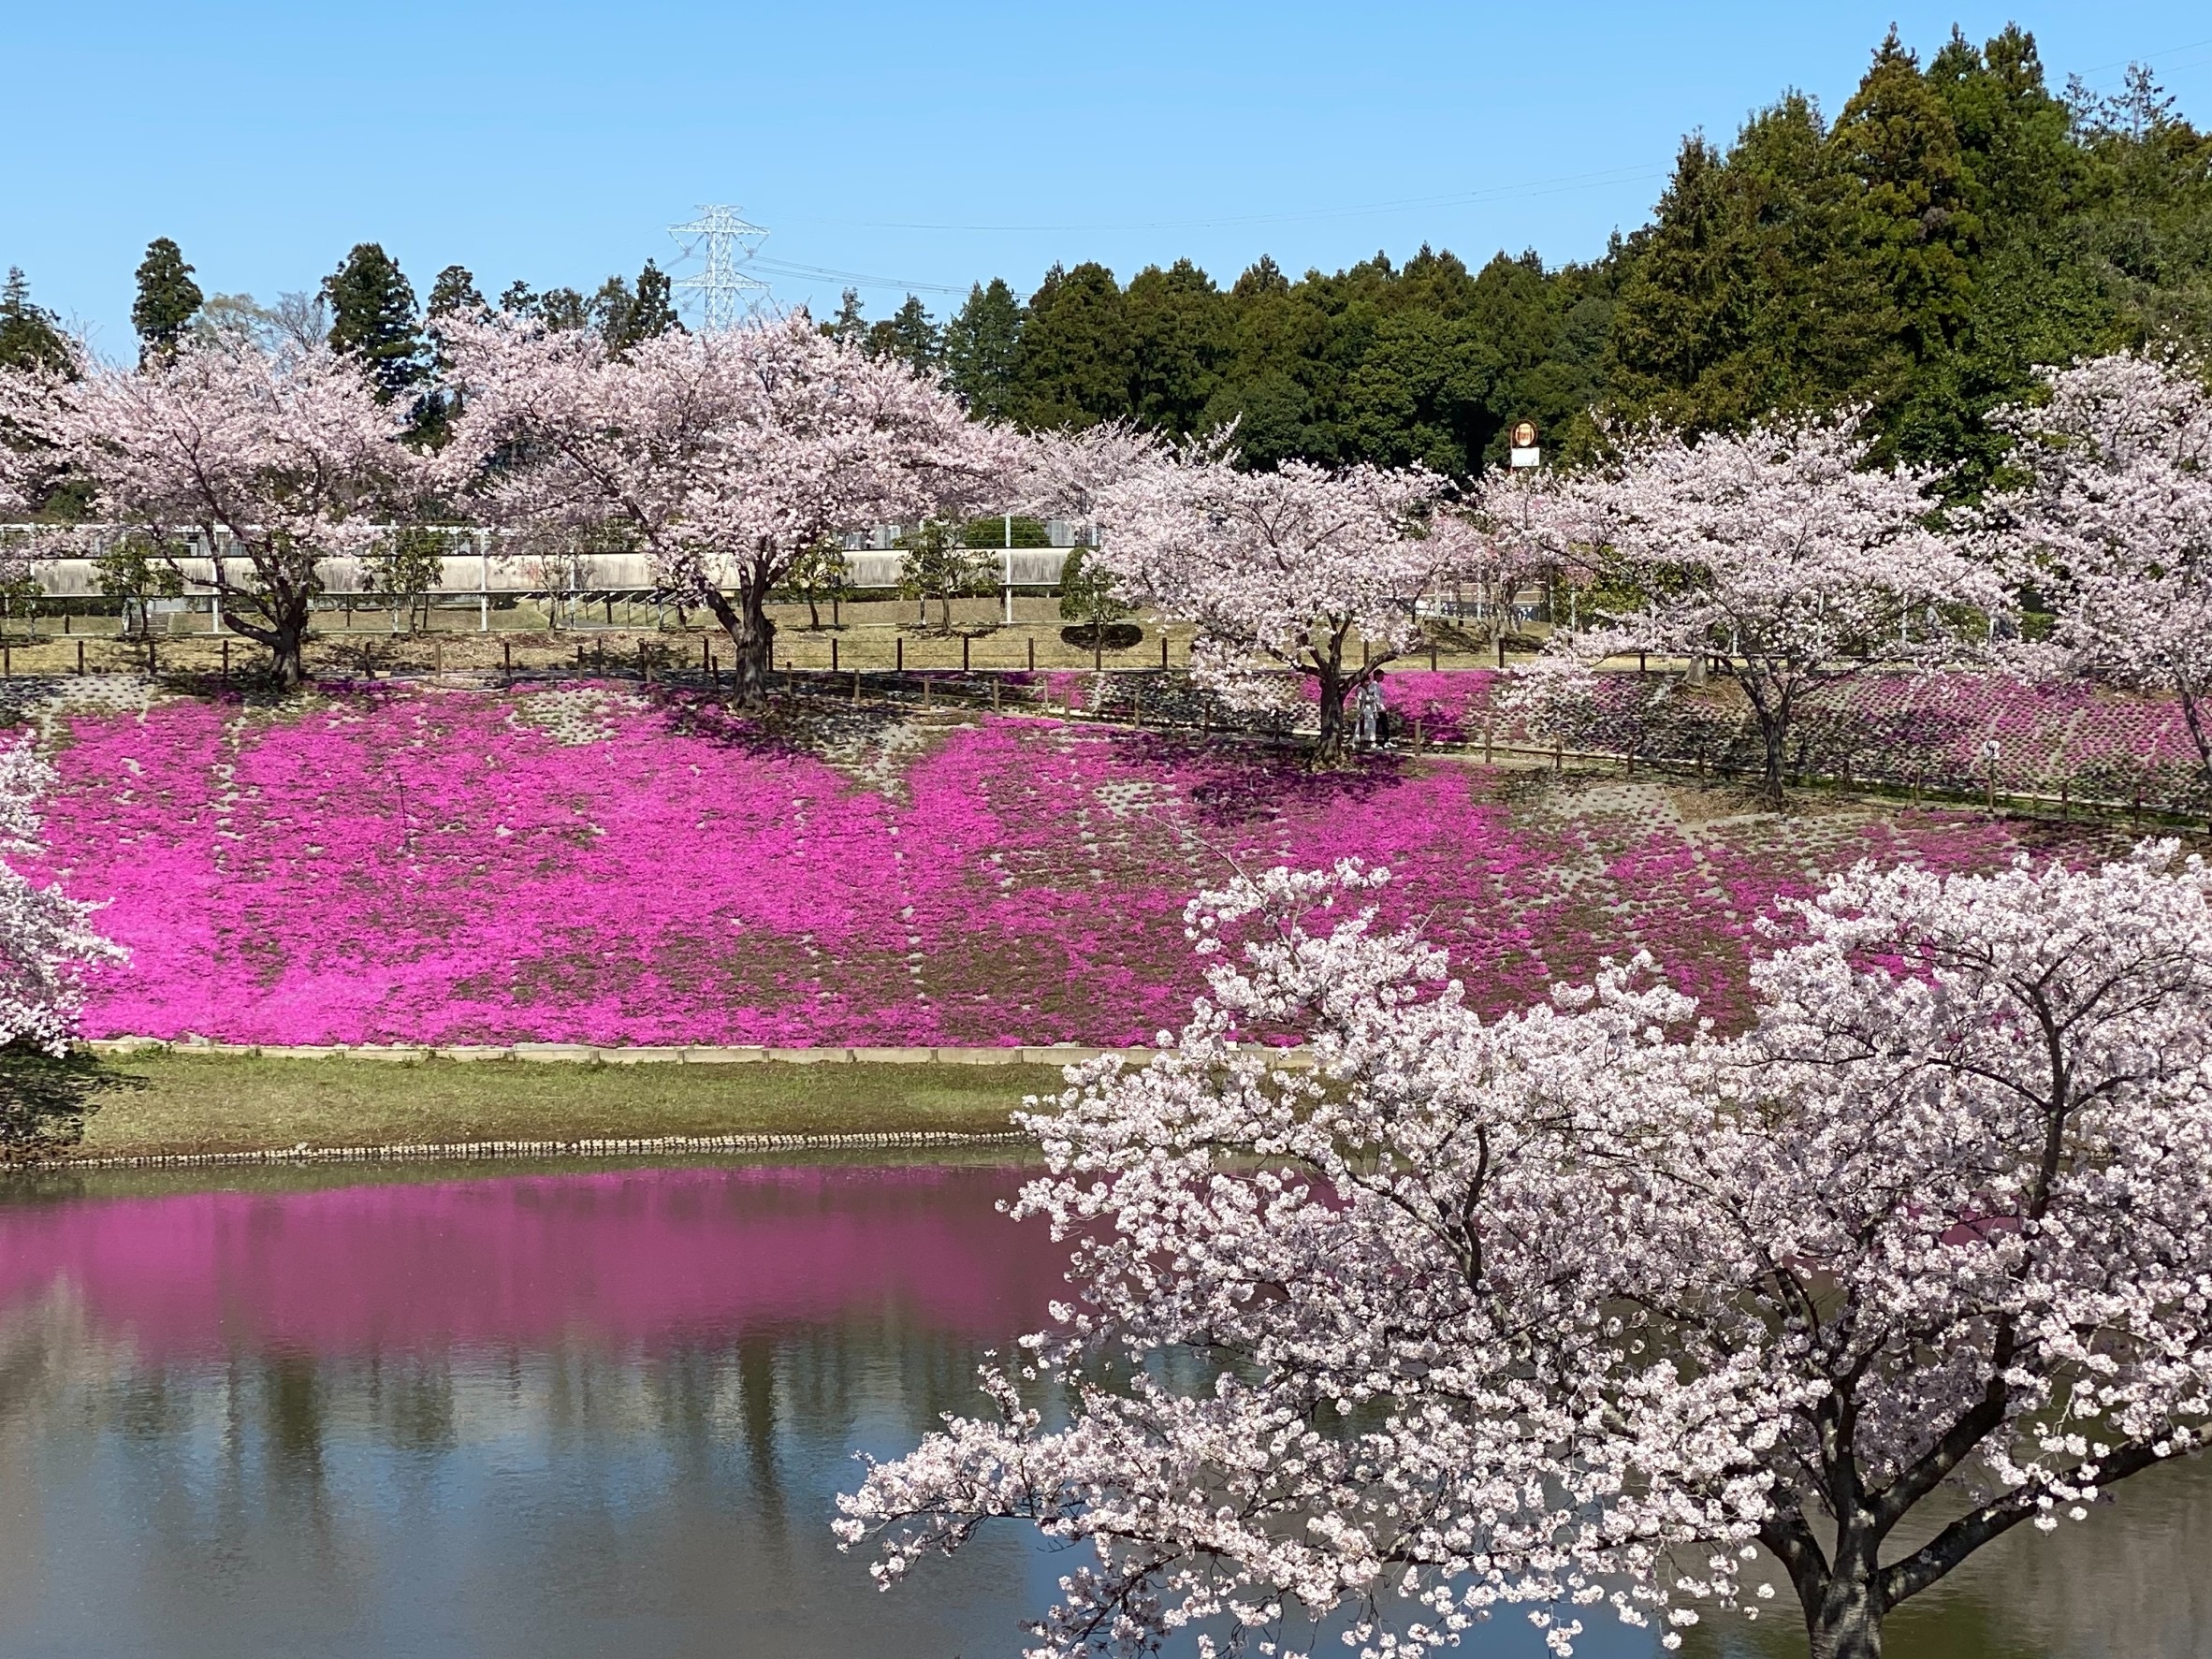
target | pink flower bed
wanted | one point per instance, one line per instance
(2044, 733)
(433, 867)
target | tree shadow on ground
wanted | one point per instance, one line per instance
(45, 1100)
(1235, 782)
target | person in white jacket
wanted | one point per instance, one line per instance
(1369, 710)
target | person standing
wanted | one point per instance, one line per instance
(1367, 709)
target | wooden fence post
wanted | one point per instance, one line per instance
(963, 642)
(81, 656)
(899, 645)
(1032, 654)
(833, 653)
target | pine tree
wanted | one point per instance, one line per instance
(908, 334)
(167, 298)
(654, 311)
(1897, 137)
(626, 318)
(1073, 368)
(1179, 343)
(29, 335)
(373, 318)
(611, 308)
(455, 294)
(850, 327)
(982, 341)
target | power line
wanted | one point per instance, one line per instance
(1463, 198)
(859, 279)
(2141, 57)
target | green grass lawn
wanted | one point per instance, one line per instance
(184, 1103)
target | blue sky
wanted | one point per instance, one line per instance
(923, 147)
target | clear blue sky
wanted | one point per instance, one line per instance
(911, 145)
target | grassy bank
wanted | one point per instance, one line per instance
(191, 1103)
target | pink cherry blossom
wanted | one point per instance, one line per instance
(721, 454)
(1781, 554)
(1278, 570)
(272, 460)
(2113, 528)
(1580, 1305)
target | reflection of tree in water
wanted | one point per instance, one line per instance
(259, 1497)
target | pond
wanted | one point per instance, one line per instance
(581, 1413)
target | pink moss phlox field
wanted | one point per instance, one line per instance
(427, 866)
(2043, 733)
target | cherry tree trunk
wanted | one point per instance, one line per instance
(288, 611)
(287, 644)
(1775, 737)
(1845, 1626)
(1331, 685)
(752, 641)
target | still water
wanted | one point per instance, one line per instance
(607, 1413)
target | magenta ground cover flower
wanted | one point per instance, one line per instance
(400, 864)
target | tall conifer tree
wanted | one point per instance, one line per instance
(167, 298)
(983, 341)
(373, 318)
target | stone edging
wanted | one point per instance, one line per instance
(586, 1053)
(473, 1151)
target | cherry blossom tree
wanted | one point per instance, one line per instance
(1511, 528)
(724, 455)
(271, 460)
(1591, 1305)
(46, 941)
(1781, 554)
(2113, 525)
(1281, 570)
(1064, 473)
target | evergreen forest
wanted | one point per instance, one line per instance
(1958, 222)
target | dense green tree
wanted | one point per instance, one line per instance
(850, 325)
(167, 298)
(1897, 140)
(1957, 224)
(1179, 344)
(455, 294)
(653, 311)
(373, 318)
(1721, 317)
(983, 342)
(1073, 368)
(30, 335)
(908, 334)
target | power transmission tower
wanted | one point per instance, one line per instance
(723, 237)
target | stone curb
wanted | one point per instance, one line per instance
(585, 1053)
(475, 1151)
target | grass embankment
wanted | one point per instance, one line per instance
(193, 1104)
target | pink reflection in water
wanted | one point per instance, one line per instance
(631, 1257)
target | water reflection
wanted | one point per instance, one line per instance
(551, 1415)
(581, 1414)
